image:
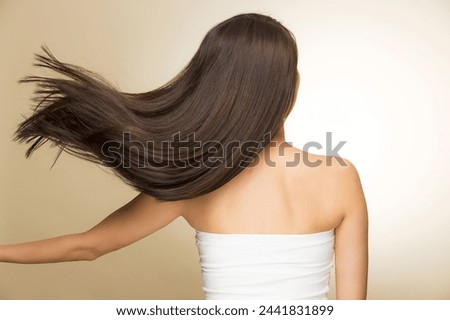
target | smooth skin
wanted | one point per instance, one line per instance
(268, 197)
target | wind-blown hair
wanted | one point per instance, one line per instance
(236, 91)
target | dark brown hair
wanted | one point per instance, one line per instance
(239, 87)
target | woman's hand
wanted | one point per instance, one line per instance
(137, 219)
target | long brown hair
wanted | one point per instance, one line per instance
(239, 87)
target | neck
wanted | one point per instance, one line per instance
(279, 136)
(272, 149)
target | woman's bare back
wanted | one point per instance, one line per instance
(274, 197)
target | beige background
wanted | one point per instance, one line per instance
(375, 73)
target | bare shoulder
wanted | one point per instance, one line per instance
(333, 180)
(329, 166)
(344, 181)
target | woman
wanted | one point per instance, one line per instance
(209, 146)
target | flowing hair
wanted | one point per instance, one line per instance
(187, 137)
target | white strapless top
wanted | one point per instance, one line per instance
(266, 266)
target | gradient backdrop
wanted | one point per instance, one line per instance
(375, 73)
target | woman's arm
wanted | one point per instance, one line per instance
(137, 219)
(351, 242)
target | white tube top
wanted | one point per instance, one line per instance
(266, 266)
